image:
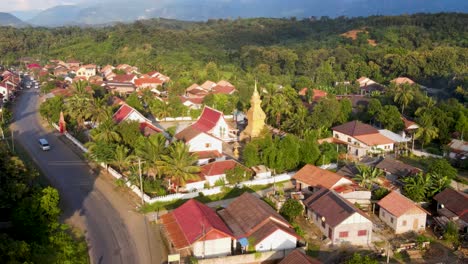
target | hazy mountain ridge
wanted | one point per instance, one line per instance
(7, 19)
(199, 10)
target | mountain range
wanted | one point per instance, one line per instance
(107, 11)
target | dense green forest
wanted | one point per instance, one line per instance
(428, 48)
(31, 231)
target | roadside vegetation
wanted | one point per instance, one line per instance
(31, 231)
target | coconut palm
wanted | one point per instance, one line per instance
(367, 175)
(179, 164)
(121, 157)
(100, 110)
(79, 108)
(106, 132)
(403, 96)
(79, 88)
(150, 150)
(426, 131)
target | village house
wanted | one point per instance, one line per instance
(128, 113)
(256, 225)
(402, 80)
(410, 128)
(452, 206)
(362, 139)
(86, 71)
(125, 78)
(127, 69)
(317, 94)
(311, 178)
(192, 102)
(367, 86)
(395, 169)
(196, 91)
(108, 72)
(458, 149)
(73, 63)
(401, 214)
(298, 257)
(147, 83)
(155, 74)
(216, 171)
(195, 229)
(338, 220)
(120, 88)
(60, 70)
(6, 90)
(207, 147)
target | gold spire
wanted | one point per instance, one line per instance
(255, 116)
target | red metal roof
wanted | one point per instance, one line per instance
(355, 128)
(122, 113)
(194, 221)
(148, 129)
(208, 119)
(218, 167)
(218, 89)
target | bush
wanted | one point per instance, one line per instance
(379, 193)
(291, 209)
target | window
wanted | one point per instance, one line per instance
(349, 140)
(336, 135)
(404, 223)
(383, 213)
(362, 233)
(391, 220)
(207, 145)
(323, 223)
(343, 234)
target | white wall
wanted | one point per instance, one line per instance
(361, 147)
(216, 129)
(135, 116)
(341, 182)
(199, 142)
(352, 225)
(399, 224)
(199, 185)
(212, 248)
(278, 240)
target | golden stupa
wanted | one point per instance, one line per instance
(255, 116)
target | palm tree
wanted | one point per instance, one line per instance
(106, 132)
(179, 164)
(79, 108)
(79, 88)
(426, 131)
(403, 96)
(299, 121)
(121, 158)
(367, 175)
(150, 149)
(100, 110)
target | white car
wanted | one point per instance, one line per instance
(44, 144)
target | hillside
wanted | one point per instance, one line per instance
(429, 49)
(7, 19)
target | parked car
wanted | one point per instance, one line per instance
(44, 144)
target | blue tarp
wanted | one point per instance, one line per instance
(244, 242)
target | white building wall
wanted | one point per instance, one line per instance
(388, 218)
(358, 148)
(5, 92)
(212, 248)
(135, 116)
(214, 178)
(221, 126)
(204, 142)
(341, 182)
(404, 223)
(278, 240)
(353, 225)
(199, 185)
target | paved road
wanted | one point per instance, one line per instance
(114, 231)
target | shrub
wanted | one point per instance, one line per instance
(291, 209)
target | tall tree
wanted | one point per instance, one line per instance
(179, 164)
(403, 96)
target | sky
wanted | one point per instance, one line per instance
(25, 5)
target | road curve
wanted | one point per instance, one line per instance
(114, 231)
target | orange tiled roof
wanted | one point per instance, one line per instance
(315, 176)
